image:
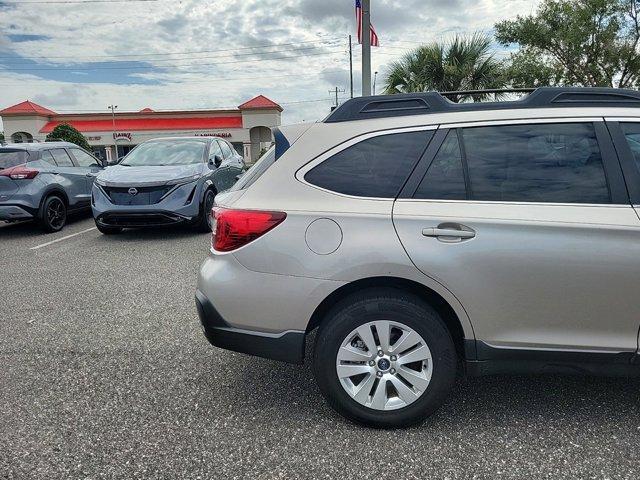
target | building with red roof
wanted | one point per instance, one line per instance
(248, 127)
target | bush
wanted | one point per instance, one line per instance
(66, 133)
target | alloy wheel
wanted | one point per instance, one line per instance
(384, 365)
(56, 213)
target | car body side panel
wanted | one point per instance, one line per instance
(369, 246)
(535, 275)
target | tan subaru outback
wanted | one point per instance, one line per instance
(418, 235)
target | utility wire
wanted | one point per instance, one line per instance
(58, 2)
(331, 40)
(147, 67)
(230, 55)
(184, 82)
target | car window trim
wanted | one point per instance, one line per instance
(630, 170)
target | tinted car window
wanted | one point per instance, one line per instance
(536, 163)
(12, 157)
(226, 149)
(47, 157)
(445, 177)
(376, 167)
(632, 134)
(61, 157)
(84, 159)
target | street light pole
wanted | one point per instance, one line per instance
(366, 48)
(113, 120)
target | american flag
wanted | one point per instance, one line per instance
(373, 35)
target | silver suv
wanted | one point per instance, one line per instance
(418, 235)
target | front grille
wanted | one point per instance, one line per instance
(143, 195)
(140, 219)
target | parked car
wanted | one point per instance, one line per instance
(45, 182)
(165, 181)
(416, 234)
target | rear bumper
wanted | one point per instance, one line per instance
(10, 213)
(285, 346)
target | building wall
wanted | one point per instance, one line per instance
(246, 140)
(29, 124)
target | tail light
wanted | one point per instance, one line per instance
(233, 229)
(19, 172)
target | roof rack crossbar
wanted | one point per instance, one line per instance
(385, 106)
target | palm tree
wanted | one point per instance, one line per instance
(465, 63)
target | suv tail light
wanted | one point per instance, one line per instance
(19, 172)
(233, 229)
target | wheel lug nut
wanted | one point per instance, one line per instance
(380, 353)
(371, 363)
(378, 374)
(393, 358)
(392, 371)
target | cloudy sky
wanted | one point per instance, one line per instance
(83, 55)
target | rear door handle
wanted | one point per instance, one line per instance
(449, 233)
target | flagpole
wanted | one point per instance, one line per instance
(350, 66)
(366, 48)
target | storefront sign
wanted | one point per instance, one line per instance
(218, 134)
(94, 139)
(122, 136)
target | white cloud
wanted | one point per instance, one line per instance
(230, 72)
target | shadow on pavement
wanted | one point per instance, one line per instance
(290, 390)
(167, 233)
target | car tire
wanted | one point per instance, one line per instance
(108, 230)
(53, 214)
(204, 221)
(393, 308)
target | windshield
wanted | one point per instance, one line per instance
(10, 158)
(165, 153)
(258, 168)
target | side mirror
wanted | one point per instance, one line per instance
(217, 161)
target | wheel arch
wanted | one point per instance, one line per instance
(55, 190)
(464, 339)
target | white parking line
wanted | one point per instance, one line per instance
(61, 239)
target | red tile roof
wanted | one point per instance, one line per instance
(27, 108)
(135, 124)
(260, 102)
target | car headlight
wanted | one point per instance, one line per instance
(183, 180)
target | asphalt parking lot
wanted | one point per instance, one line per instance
(104, 373)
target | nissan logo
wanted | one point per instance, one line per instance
(133, 191)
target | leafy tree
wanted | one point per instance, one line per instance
(464, 63)
(65, 132)
(575, 42)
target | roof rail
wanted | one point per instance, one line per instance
(385, 106)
